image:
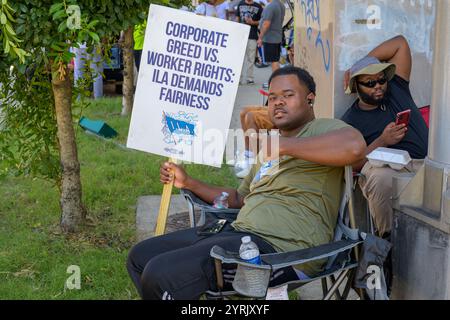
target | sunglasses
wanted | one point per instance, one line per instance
(373, 83)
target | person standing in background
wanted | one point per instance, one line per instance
(259, 58)
(271, 32)
(207, 8)
(263, 3)
(232, 8)
(249, 12)
(138, 36)
(221, 9)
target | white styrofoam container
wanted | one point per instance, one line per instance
(394, 158)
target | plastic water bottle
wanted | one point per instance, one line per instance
(221, 201)
(249, 251)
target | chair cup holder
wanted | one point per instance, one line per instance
(251, 282)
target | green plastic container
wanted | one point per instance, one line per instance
(98, 127)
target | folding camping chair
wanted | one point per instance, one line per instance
(341, 254)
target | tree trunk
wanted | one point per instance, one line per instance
(128, 72)
(73, 211)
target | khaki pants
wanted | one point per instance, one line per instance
(260, 116)
(249, 60)
(376, 185)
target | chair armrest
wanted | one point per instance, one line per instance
(285, 259)
(233, 257)
(196, 201)
(190, 196)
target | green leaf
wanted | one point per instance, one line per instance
(22, 68)
(62, 26)
(20, 28)
(94, 36)
(23, 8)
(67, 56)
(92, 24)
(20, 53)
(10, 30)
(55, 47)
(7, 47)
(102, 19)
(59, 14)
(56, 7)
(8, 6)
(10, 17)
(3, 19)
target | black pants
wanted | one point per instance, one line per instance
(178, 266)
(137, 58)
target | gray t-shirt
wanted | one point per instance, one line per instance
(274, 12)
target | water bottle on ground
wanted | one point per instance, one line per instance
(221, 201)
(249, 251)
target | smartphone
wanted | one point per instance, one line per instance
(403, 117)
(212, 228)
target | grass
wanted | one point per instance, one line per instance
(35, 255)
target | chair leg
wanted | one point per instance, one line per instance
(337, 293)
(191, 210)
(219, 275)
(349, 284)
(324, 286)
(336, 285)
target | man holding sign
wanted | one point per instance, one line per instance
(186, 89)
(286, 204)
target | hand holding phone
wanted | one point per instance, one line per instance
(403, 117)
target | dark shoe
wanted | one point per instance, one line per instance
(261, 65)
(250, 82)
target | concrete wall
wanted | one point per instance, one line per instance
(352, 28)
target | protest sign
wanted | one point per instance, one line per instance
(187, 85)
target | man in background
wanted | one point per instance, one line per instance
(249, 13)
(207, 8)
(138, 37)
(271, 32)
(383, 91)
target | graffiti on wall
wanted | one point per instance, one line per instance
(310, 10)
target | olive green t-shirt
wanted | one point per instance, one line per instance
(293, 205)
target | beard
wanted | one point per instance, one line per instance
(368, 99)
